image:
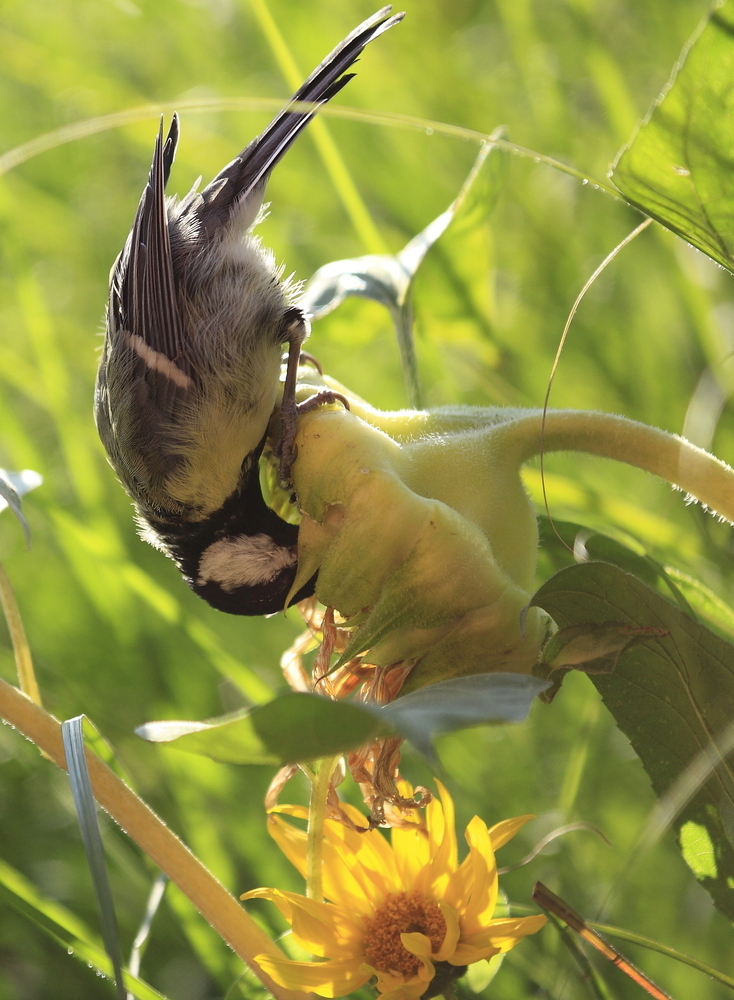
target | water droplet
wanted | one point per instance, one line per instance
(429, 131)
(585, 180)
(69, 951)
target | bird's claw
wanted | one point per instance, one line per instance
(289, 413)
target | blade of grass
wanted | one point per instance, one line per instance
(21, 649)
(553, 904)
(154, 901)
(66, 929)
(522, 909)
(330, 155)
(86, 811)
(105, 123)
(137, 819)
(561, 831)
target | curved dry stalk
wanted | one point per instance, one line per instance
(150, 833)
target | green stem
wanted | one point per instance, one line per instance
(225, 914)
(516, 435)
(403, 319)
(21, 649)
(332, 159)
(586, 969)
(316, 815)
(681, 463)
(522, 909)
(645, 942)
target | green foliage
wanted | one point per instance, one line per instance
(291, 728)
(115, 633)
(678, 167)
(63, 928)
(672, 695)
(300, 727)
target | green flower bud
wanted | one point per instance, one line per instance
(423, 536)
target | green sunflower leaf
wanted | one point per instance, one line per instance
(294, 727)
(299, 726)
(672, 695)
(679, 165)
(481, 699)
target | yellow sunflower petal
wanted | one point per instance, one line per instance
(505, 933)
(368, 855)
(412, 854)
(386, 982)
(342, 883)
(409, 991)
(480, 907)
(500, 833)
(467, 954)
(359, 868)
(357, 817)
(435, 824)
(274, 896)
(328, 979)
(448, 842)
(404, 788)
(324, 929)
(453, 932)
(290, 840)
(420, 946)
(483, 896)
(300, 812)
(433, 880)
(396, 988)
(459, 886)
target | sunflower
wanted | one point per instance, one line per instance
(405, 913)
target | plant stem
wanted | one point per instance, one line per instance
(225, 914)
(523, 909)
(21, 649)
(333, 161)
(588, 973)
(673, 458)
(316, 816)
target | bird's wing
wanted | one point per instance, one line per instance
(249, 171)
(142, 292)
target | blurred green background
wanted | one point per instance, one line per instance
(115, 632)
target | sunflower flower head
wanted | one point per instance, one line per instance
(404, 914)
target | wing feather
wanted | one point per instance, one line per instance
(250, 170)
(145, 283)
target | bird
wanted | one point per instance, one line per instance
(198, 319)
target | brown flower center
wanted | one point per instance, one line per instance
(401, 913)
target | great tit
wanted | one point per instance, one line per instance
(198, 319)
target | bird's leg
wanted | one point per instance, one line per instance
(296, 329)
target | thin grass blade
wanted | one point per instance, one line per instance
(81, 788)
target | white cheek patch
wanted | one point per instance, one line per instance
(159, 362)
(244, 561)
